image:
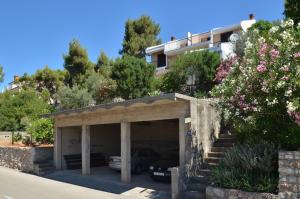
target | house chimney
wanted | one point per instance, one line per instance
(16, 78)
(251, 16)
(172, 38)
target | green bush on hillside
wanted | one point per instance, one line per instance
(250, 167)
(42, 131)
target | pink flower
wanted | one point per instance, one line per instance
(284, 68)
(224, 69)
(263, 62)
(297, 55)
(274, 53)
(296, 116)
(261, 68)
(285, 78)
(263, 49)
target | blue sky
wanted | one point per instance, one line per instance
(34, 33)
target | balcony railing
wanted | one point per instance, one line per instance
(174, 45)
(194, 40)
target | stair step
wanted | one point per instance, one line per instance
(205, 172)
(209, 166)
(227, 136)
(219, 149)
(45, 166)
(193, 195)
(198, 179)
(201, 187)
(44, 171)
(44, 163)
(215, 154)
(223, 144)
(212, 160)
(231, 140)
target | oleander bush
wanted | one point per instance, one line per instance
(249, 166)
(260, 91)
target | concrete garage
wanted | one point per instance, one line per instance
(104, 140)
(165, 122)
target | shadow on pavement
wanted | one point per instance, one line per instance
(104, 179)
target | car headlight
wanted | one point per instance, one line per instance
(151, 168)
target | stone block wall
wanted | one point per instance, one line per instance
(289, 174)
(42, 154)
(23, 158)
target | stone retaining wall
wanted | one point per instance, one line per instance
(289, 174)
(220, 193)
(23, 158)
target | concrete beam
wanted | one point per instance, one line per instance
(57, 148)
(85, 150)
(125, 152)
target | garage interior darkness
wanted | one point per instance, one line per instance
(162, 136)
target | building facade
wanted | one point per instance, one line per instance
(219, 40)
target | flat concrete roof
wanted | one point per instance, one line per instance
(126, 103)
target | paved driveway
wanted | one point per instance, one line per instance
(105, 179)
(17, 185)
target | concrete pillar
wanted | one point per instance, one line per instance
(183, 128)
(175, 182)
(125, 152)
(166, 61)
(85, 150)
(182, 140)
(57, 148)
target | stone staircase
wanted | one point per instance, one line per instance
(197, 185)
(43, 168)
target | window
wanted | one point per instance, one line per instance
(225, 36)
(161, 60)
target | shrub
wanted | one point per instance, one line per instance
(200, 64)
(26, 140)
(261, 93)
(17, 137)
(102, 87)
(250, 167)
(75, 97)
(16, 106)
(41, 131)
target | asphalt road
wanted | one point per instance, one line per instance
(17, 185)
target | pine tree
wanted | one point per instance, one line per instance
(134, 77)
(292, 10)
(77, 63)
(103, 60)
(140, 34)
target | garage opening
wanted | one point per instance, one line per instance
(105, 144)
(155, 149)
(71, 147)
